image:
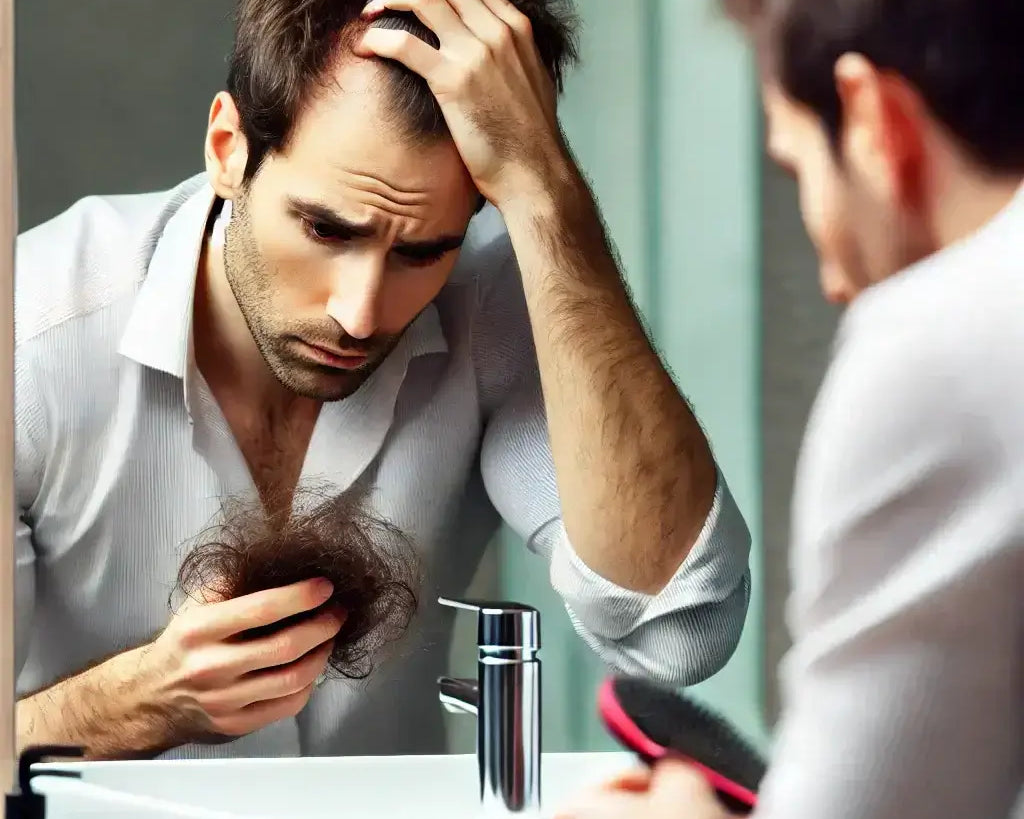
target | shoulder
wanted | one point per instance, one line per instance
(487, 284)
(487, 260)
(88, 257)
(486, 247)
(924, 388)
(947, 328)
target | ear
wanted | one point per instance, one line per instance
(882, 137)
(226, 149)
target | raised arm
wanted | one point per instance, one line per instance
(682, 634)
(634, 471)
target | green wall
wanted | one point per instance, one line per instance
(663, 117)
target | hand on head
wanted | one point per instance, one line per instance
(672, 790)
(496, 86)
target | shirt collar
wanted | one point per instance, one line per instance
(160, 326)
(159, 330)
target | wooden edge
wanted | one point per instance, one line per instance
(8, 230)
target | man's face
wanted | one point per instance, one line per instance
(856, 216)
(343, 238)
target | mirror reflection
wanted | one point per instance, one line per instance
(391, 378)
(327, 311)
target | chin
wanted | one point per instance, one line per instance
(320, 383)
(325, 389)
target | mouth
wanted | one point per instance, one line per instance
(337, 359)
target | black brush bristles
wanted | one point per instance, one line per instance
(675, 725)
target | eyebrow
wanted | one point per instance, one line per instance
(336, 222)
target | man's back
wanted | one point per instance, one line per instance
(905, 690)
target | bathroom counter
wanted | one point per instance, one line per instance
(424, 787)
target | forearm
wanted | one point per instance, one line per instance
(103, 710)
(635, 473)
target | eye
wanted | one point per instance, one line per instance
(322, 231)
(411, 258)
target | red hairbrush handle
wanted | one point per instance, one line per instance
(626, 731)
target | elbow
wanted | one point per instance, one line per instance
(713, 634)
(683, 647)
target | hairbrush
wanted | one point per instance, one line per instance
(657, 722)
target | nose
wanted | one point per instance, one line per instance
(835, 285)
(355, 297)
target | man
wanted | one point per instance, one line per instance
(322, 305)
(904, 690)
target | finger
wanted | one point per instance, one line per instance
(518, 22)
(637, 780)
(484, 24)
(604, 805)
(677, 783)
(522, 35)
(221, 620)
(402, 47)
(273, 683)
(437, 15)
(260, 714)
(284, 646)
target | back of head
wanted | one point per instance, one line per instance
(963, 57)
(285, 49)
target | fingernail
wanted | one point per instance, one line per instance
(372, 6)
(324, 588)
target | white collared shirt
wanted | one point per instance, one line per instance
(904, 688)
(123, 457)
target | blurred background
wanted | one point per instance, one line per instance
(112, 97)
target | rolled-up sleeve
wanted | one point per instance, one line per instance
(683, 634)
(680, 636)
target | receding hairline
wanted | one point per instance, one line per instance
(379, 82)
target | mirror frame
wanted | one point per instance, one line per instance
(8, 230)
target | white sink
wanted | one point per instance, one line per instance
(418, 787)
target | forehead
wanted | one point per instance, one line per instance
(344, 138)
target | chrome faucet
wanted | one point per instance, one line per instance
(505, 698)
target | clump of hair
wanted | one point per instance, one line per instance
(284, 51)
(370, 562)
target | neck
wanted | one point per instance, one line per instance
(968, 201)
(225, 351)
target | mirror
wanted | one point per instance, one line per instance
(113, 103)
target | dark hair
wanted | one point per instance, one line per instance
(284, 49)
(372, 565)
(963, 56)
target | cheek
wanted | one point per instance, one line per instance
(820, 206)
(825, 208)
(407, 291)
(283, 247)
(297, 272)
